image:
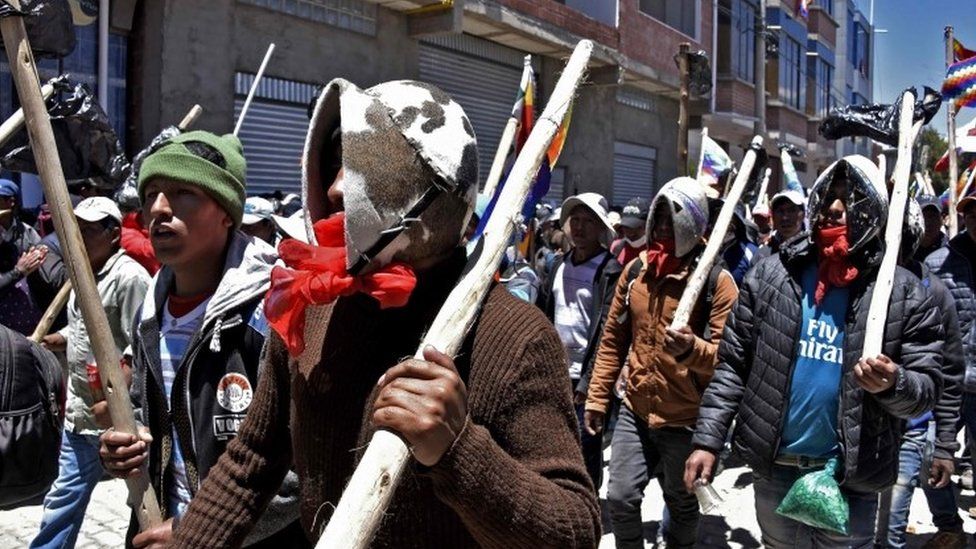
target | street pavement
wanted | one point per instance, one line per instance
(734, 525)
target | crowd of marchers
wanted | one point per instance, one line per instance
(263, 343)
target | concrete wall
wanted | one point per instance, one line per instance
(199, 46)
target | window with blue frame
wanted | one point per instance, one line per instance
(791, 75)
(823, 74)
(681, 15)
(744, 29)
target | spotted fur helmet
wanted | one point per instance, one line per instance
(866, 200)
(410, 165)
(685, 197)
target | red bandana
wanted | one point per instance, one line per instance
(660, 257)
(835, 270)
(318, 276)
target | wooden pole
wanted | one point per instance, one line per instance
(760, 53)
(953, 158)
(763, 187)
(190, 117)
(12, 125)
(371, 488)
(498, 164)
(44, 326)
(878, 310)
(24, 73)
(712, 250)
(683, 70)
(254, 88)
(701, 156)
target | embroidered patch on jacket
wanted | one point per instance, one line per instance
(226, 426)
(234, 392)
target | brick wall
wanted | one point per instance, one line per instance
(566, 18)
(787, 120)
(821, 24)
(735, 96)
(653, 43)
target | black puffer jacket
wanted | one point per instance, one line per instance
(756, 360)
(954, 266)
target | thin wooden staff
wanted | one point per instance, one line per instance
(374, 482)
(764, 186)
(190, 117)
(504, 144)
(254, 88)
(697, 281)
(878, 311)
(52, 312)
(24, 72)
(12, 125)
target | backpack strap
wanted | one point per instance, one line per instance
(635, 268)
(705, 328)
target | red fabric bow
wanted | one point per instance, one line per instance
(318, 276)
(834, 270)
(661, 258)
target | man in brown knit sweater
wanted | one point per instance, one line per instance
(493, 432)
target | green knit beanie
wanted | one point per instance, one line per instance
(224, 183)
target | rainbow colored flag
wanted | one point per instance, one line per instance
(524, 109)
(960, 53)
(715, 163)
(960, 83)
(803, 8)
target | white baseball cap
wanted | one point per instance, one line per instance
(97, 208)
(256, 209)
(293, 226)
(794, 196)
(594, 201)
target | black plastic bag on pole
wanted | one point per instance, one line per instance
(751, 192)
(50, 27)
(876, 121)
(87, 143)
(127, 193)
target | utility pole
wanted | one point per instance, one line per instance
(953, 160)
(683, 69)
(760, 54)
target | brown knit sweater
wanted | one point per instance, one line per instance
(513, 478)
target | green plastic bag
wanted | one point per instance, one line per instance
(815, 499)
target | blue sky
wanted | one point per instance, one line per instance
(912, 52)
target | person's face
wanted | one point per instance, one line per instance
(100, 242)
(969, 220)
(663, 230)
(931, 220)
(7, 208)
(185, 225)
(787, 218)
(632, 233)
(585, 227)
(833, 213)
(264, 229)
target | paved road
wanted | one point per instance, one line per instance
(734, 526)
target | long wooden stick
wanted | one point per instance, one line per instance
(190, 117)
(52, 312)
(24, 72)
(254, 88)
(878, 311)
(12, 125)
(501, 153)
(701, 155)
(953, 157)
(375, 480)
(697, 281)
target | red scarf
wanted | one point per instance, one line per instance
(661, 258)
(318, 276)
(835, 270)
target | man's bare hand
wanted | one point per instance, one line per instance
(700, 465)
(941, 472)
(425, 402)
(123, 454)
(157, 537)
(593, 421)
(54, 342)
(678, 342)
(877, 374)
(31, 260)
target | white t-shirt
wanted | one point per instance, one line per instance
(572, 290)
(175, 335)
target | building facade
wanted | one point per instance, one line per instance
(622, 140)
(811, 64)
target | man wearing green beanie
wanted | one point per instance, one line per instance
(199, 333)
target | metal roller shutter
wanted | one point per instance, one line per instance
(634, 169)
(273, 133)
(484, 86)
